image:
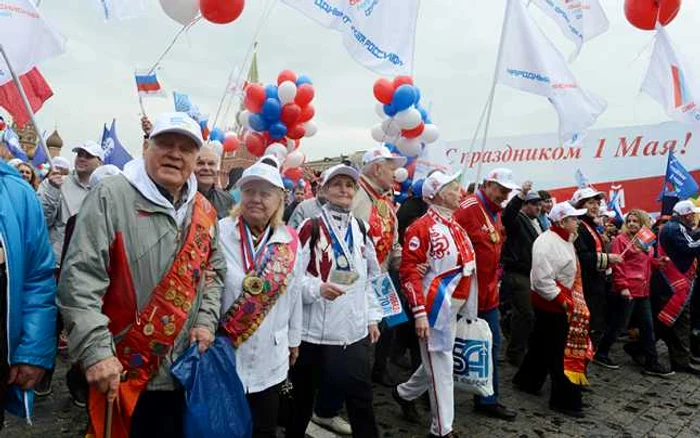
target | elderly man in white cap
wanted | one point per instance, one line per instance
(133, 293)
(61, 196)
(480, 215)
(373, 204)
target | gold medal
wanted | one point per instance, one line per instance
(253, 284)
(179, 300)
(186, 307)
(169, 329)
(170, 294)
(494, 236)
(149, 329)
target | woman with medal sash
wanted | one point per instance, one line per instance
(438, 276)
(340, 309)
(261, 304)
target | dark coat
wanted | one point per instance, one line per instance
(520, 236)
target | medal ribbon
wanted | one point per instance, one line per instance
(253, 258)
(489, 216)
(340, 247)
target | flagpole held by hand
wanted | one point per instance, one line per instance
(109, 410)
(27, 106)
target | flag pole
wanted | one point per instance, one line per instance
(27, 106)
(492, 94)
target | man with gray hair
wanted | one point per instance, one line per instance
(207, 173)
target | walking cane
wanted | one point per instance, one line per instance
(109, 409)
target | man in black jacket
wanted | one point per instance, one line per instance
(521, 221)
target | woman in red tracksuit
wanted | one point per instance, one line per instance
(631, 280)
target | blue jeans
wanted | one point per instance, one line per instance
(492, 317)
(639, 310)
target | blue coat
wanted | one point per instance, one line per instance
(32, 287)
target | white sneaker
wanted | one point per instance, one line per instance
(336, 424)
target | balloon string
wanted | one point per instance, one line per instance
(172, 43)
(263, 19)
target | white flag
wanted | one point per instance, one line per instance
(670, 82)
(122, 9)
(579, 21)
(531, 63)
(26, 38)
(379, 34)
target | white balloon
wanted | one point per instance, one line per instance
(244, 119)
(311, 128)
(391, 128)
(182, 11)
(278, 150)
(217, 146)
(378, 133)
(291, 145)
(379, 109)
(430, 134)
(294, 159)
(410, 147)
(408, 118)
(286, 92)
(400, 175)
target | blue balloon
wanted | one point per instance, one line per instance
(417, 188)
(417, 91)
(410, 160)
(277, 131)
(404, 97)
(390, 110)
(257, 122)
(288, 183)
(400, 198)
(423, 113)
(271, 91)
(406, 185)
(271, 110)
(216, 134)
(303, 79)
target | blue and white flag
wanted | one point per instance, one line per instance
(579, 21)
(115, 152)
(39, 154)
(679, 182)
(183, 104)
(122, 9)
(531, 63)
(378, 34)
(11, 141)
(581, 180)
(614, 204)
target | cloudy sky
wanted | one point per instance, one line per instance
(455, 54)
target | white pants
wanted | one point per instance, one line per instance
(435, 376)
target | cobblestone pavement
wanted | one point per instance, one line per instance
(623, 403)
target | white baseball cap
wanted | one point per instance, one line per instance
(261, 172)
(563, 210)
(586, 193)
(178, 123)
(503, 177)
(270, 157)
(381, 153)
(103, 172)
(92, 148)
(339, 169)
(685, 207)
(436, 181)
(15, 162)
(60, 163)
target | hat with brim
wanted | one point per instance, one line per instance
(532, 197)
(382, 153)
(261, 172)
(436, 181)
(686, 207)
(502, 177)
(338, 170)
(178, 123)
(563, 210)
(91, 148)
(585, 194)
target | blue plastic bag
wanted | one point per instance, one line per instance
(216, 403)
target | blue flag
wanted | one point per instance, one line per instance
(11, 141)
(39, 154)
(614, 205)
(581, 180)
(184, 104)
(679, 182)
(115, 153)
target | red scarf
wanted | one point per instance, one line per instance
(680, 283)
(382, 221)
(579, 350)
(464, 248)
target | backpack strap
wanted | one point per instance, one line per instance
(315, 233)
(363, 229)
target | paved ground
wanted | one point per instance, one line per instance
(624, 403)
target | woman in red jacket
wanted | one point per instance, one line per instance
(631, 280)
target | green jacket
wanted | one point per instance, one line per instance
(152, 239)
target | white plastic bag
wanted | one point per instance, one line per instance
(473, 364)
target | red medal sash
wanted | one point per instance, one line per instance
(680, 283)
(153, 333)
(596, 237)
(382, 222)
(578, 350)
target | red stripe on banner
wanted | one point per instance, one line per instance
(148, 87)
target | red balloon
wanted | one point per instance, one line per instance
(296, 132)
(286, 75)
(221, 11)
(2, 125)
(401, 80)
(384, 91)
(643, 14)
(230, 143)
(255, 143)
(307, 113)
(411, 168)
(266, 138)
(290, 114)
(294, 174)
(254, 97)
(305, 94)
(415, 132)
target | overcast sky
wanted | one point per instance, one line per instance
(455, 53)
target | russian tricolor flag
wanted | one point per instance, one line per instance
(147, 84)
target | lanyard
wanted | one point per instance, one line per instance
(342, 249)
(485, 207)
(254, 258)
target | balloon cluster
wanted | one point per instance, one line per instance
(215, 11)
(405, 123)
(278, 117)
(644, 14)
(226, 142)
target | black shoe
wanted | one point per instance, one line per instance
(636, 356)
(606, 362)
(658, 370)
(383, 379)
(689, 369)
(408, 408)
(77, 387)
(575, 413)
(496, 411)
(695, 360)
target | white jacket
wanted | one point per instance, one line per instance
(553, 260)
(344, 320)
(263, 360)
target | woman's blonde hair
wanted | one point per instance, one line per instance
(641, 215)
(277, 218)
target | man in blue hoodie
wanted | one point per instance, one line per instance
(27, 294)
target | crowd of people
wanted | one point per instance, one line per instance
(127, 269)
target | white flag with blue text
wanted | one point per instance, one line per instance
(579, 21)
(530, 62)
(379, 34)
(122, 9)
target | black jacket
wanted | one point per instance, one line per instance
(682, 246)
(221, 200)
(409, 211)
(520, 236)
(593, 263)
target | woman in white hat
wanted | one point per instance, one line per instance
(447, 287)
(595, 260)
(559, 343)
(261, 304)
(341, 310)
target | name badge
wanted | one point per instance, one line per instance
(343, 277)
